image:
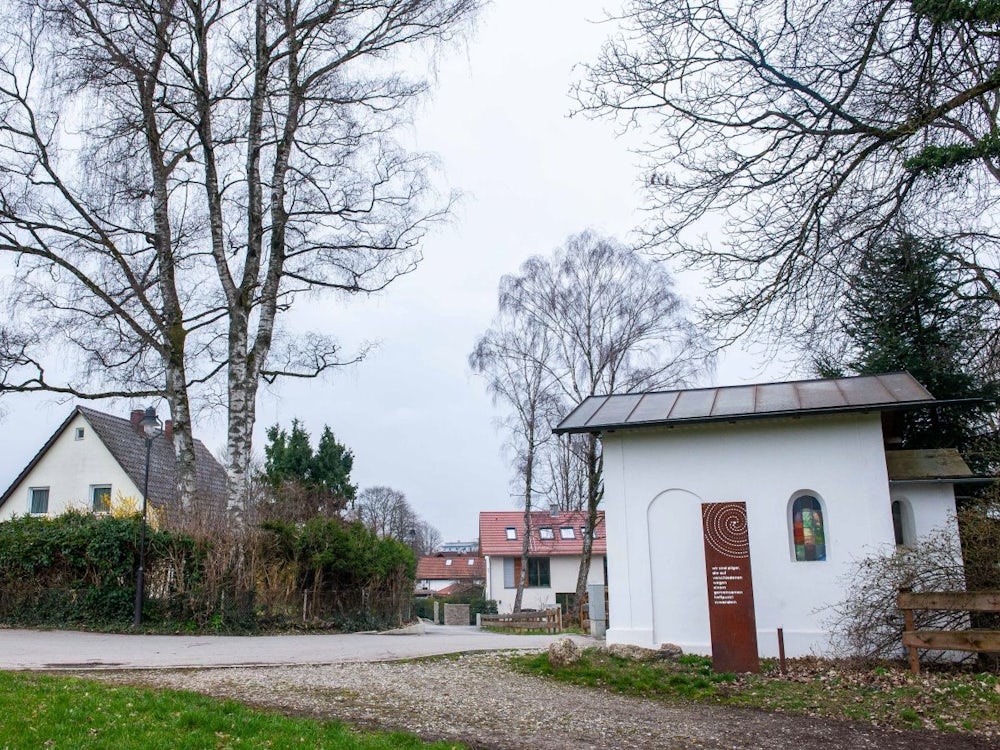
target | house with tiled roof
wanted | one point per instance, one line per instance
(445, 573)
(93, 458)
(555, 550)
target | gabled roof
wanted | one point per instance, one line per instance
(128, 448)
(898, 390)
(447, 567)
(493, 539)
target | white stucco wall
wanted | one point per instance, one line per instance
(655, 482)
(69, 469)
(931, 506)
(563, 572)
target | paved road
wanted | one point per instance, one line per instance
(63, 649)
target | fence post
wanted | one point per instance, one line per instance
(595, 592)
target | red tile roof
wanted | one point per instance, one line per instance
(447, 567)
(493, 539)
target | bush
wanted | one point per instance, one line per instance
(473, 596)
(868, 624)
(79, 569)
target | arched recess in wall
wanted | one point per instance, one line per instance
(808, 527)
(903, 526)
(679, 599)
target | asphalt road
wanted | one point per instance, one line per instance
(64, 649)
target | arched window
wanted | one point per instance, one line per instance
(902, 523)
(808, 532)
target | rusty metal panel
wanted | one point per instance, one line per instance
(730, 587)
(777, 397)
(615, 409)
(820, 394)
(734, 400)
(580, 416)
(693, 404)
(653, 407)
(904, 387)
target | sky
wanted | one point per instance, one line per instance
(412, 412)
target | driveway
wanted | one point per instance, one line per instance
(63, 649)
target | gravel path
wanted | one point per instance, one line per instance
(478, 699)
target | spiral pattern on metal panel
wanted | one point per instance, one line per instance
(726, 529)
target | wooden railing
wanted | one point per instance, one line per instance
(972, 640)
(548, 621)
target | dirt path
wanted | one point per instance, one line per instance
(477, 699)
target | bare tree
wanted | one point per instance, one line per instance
(150, 147)
(388, 513)
(611, 323)
(513, 356)
(810, 127)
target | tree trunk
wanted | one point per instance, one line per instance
(594, 495)
(522, 579)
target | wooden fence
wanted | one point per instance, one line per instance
(548, 621)
(972, 640)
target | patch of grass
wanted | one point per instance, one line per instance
(885, 695)
(42, 711)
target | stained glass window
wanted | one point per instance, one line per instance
(807, 529)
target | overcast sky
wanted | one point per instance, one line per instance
(414, 416)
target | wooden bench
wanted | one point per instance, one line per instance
(972, 640)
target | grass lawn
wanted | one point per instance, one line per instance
(885, 695)
(42, 711)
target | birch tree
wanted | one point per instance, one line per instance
(513, 357)
(176, 174)
(611, 323)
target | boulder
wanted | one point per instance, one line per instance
(563, 652)
(665, 652)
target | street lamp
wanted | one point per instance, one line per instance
(152, 427)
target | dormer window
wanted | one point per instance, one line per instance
(448, 561)
(471, 562)
(566, 532)
(511, 532)
(546, 532)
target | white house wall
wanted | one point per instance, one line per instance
(655, 482)
(563, 572)
(69, 469)
(931, 506)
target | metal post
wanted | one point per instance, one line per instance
(140, 581)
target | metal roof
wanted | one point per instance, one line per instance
(897, 390)
(934, 463)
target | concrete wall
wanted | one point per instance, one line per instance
(69, 469)
(655, 482)
(563, 572)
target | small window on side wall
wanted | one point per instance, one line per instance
(808, 529)
(902, 523)
(101, 498)
(39, 501)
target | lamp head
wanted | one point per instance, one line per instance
(150, 423)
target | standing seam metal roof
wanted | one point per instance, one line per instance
(728, 403)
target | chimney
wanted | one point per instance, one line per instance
(168, 429)
(136, 418)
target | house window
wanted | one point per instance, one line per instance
(566, 532)
(808, 529)
(79, 434)
(448, 561)
(38, 503)
(546, 532)
(471, 562)
(902, 523)
(100, 498)
(538, 571)
(511, 532)
(566, 602)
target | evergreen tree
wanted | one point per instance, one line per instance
(305, 483)
(903, 314)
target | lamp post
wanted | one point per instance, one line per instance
(151, 428)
